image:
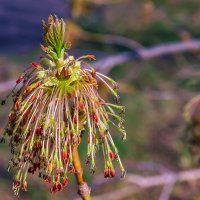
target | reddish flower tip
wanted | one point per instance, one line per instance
(16, 183)
(91, 57)
(24, 186)
(56, 188)
(64, 155)
(112, 155)
(19, 80)
(34, 65)
(65, 182)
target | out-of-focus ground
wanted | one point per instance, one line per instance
(154, 91)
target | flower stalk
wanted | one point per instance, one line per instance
(84, 190)
(56, 103)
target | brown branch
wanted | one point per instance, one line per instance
(166, 191)
(106, 64)
(170, 48)
(111, 39)
(84, 190)
(168, 179)
(117, 194)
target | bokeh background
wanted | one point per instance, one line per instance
(154, 90)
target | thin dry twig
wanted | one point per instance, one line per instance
(168, 180)
(166, 191)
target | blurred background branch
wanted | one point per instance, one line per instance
(166, 180)
(106, 64)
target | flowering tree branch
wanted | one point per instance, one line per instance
(54, 102)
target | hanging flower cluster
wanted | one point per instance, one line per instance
(55, 102)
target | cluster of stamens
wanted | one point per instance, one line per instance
(52, 109)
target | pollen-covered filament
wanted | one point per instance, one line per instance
(51, 111)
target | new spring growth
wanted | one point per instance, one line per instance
(54, 102)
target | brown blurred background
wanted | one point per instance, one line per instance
(123, 34)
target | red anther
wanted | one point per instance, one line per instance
(112, 155)
(65, 182)
(19, 80)
(47, 179)
(57, 74)
(54, 189)
(101, 136)
(78, 140)
(112, 173)
(64, 72)
(34, 65)
(106, 173)
(38, 84)
(80, 106)
(93, 73)
(59, 186)
(37, 165)
(93, 139)
(16, 138)
(71, 94)
(116, 157)
(75, 120)
(94, 117)
(39, 131)
(17, 183)
(64, 155)
(31, 170)
(11, 116)
(91, 57)
(57, 178)
(98, 103)
(24, 186)
(38, 145)
(32, 98)
(29, 89)
(17, 105)
(59, 171)
(71, 169)
(51, 167)
(105, 116)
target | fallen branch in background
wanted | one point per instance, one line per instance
(166, 180)
(106, 64)
(137, 51)
(107, 39)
